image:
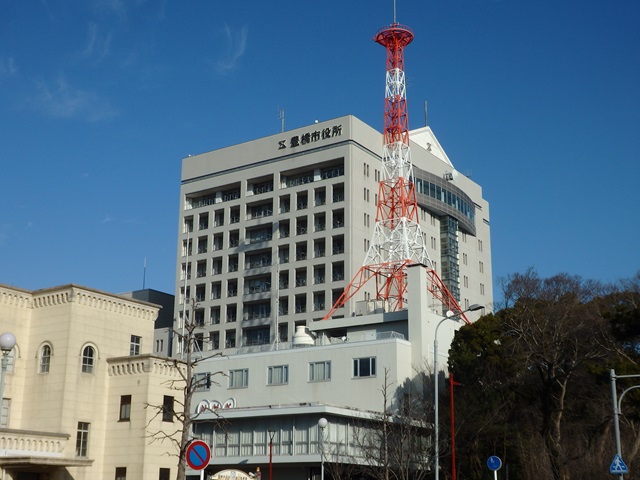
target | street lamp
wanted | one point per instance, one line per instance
(7, 342)
(271, 434)
(322, 423)
(617, 409)
(455, 317)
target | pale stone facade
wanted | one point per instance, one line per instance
(75, 399)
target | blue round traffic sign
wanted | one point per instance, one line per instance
(198, 454)
(494, 463)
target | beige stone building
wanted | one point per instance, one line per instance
(82, 396)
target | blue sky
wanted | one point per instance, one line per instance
(539, 101)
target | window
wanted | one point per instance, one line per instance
(165, 474)
(167, 409)
(125, 408)
(134, 349)
(201, 382)
(121, 473)
(45, 359)
(364, 367)
(319, 371)
(88, 356)
(230, 338)
(278, 375)
(82, 439)
(214, 340)
(239, 378)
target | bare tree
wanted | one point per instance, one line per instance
(393, 444)
(180, 408)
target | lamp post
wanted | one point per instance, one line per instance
(322, 423)
(7, 342)
(617, 408)
(453, 383)
(271, 434)
(448, 316)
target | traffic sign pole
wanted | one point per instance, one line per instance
(494, 463)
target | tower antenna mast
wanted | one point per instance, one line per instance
(397, 238)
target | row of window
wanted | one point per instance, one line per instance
(88, 355)
(261, 234)
(301, 250)
(445, 196)
(264, 208)
(279, 374)
(261, 283)
(166, 410)
(288, 180)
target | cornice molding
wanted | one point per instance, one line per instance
(73, 294)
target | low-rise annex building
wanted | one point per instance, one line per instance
(82, 397)
(264, 411)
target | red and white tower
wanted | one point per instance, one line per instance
(397, 239)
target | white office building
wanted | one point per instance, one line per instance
(271, 232)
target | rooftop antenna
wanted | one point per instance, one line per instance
(144, 273)
(394, 11)
(281, 117)
(426, 119)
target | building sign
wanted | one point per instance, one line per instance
(311, 137)
(213, 405)
(231, 475)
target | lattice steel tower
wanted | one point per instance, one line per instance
(397, 238)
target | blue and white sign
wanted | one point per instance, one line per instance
(494, 463)
(618, 466)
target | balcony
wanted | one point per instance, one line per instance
(263, 188)
(257, 288)
(39, 448)
(260, 213)
(332, 172)
(259, 238)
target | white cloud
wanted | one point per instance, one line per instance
(98, 44)
(236, 46)
(61, 100)
(8, 68)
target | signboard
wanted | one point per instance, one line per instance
(198, 455)
(213, 405)
(618, 467)
(234, 474)
(494, 463)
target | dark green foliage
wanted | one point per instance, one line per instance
(535, 379)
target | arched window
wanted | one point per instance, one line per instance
(88, 359)
(45, 358)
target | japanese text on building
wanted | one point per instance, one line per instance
(311, 137)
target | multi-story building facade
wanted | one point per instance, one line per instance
(83, 395)
(271, 233)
